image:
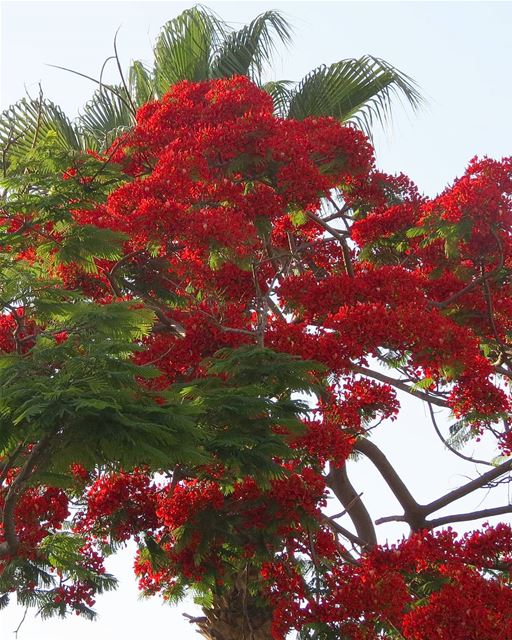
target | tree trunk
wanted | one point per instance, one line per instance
(236, 615)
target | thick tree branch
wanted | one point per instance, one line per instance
(413, 512)
(338, 482)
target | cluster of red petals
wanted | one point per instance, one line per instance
(81, 592)
(39, 512)
(120, 505)
(429, 582)
(200, 525)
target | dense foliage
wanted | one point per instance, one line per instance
(167, 305)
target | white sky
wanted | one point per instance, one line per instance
(459, 53)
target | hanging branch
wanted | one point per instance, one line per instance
(448, 445)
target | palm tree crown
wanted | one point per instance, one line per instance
(197, 45)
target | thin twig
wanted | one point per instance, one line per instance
(21, 622)
(447, 444)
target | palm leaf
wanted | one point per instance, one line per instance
(29, 121)
(105, 117)
(197, 45)
(245, 52)
(141, 83)
(185, 46)
(281, 92)
(357, 90)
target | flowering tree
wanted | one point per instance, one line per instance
(166, 307)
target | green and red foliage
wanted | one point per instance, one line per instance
(162, 304)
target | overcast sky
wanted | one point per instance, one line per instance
(459, 53)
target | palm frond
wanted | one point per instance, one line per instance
(357, 90)
(141, 83)
(185, 47)
(29, 121)
(245, 52)
(195, 46)
(104, 118)
(281, 92)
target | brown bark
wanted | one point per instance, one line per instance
(236, 614)
(340, 485)
(227, 620)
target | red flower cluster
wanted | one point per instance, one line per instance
(201, 527)
(428, 582)
(121, 505)
(39, 512)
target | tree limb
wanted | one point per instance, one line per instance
(11, 544)
(469, 487)
(338, 482)
(473, 515)
(413, 512)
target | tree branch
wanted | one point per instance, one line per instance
(469, 487)
(474, 283)
(447, 444)
(398, 384)
(413, 512)
(11, 544)
(339, 235)
(338, 482)
(473, 515)
(337, 528)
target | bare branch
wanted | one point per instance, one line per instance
(390, 519)
(469, 487)
(472, 515)
(448, 445)
(339, 235)
(338, 482)
(413, 512)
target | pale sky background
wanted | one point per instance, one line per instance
(460, 53)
